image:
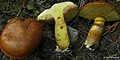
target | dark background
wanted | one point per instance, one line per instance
(110, 41)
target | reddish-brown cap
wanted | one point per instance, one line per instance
(20, 38)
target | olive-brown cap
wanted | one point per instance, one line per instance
(99, 9)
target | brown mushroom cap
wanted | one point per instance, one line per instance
(99, 9)
(20, 38)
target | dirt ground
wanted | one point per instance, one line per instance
(109, 48)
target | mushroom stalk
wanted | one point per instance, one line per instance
(61, 34)
(94, 35)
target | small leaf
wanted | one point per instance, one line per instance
(36, 12)
(31, 5)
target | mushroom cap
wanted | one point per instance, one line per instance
(20, 38)
(69, 11)
(99, 9)
(45, 16)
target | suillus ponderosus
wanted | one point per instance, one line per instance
(60, 13)
(20, 38)
(99, 12)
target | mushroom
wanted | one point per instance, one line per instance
(57, 12)
(45, 17)
(20, 38)
(99, 12)
(69, 12)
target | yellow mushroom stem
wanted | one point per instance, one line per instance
(62, 38)
(93, 38)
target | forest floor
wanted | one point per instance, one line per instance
(109, 48)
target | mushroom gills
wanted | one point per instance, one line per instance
(93, 38)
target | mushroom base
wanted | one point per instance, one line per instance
(61, 50)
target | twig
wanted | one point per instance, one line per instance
(111, 28)
(90, 55)
(19, 12)
(23, 5)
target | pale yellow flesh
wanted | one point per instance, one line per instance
(95, 33)
(60, 12)
(61, 34)
(70, 10)
(45, 15)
